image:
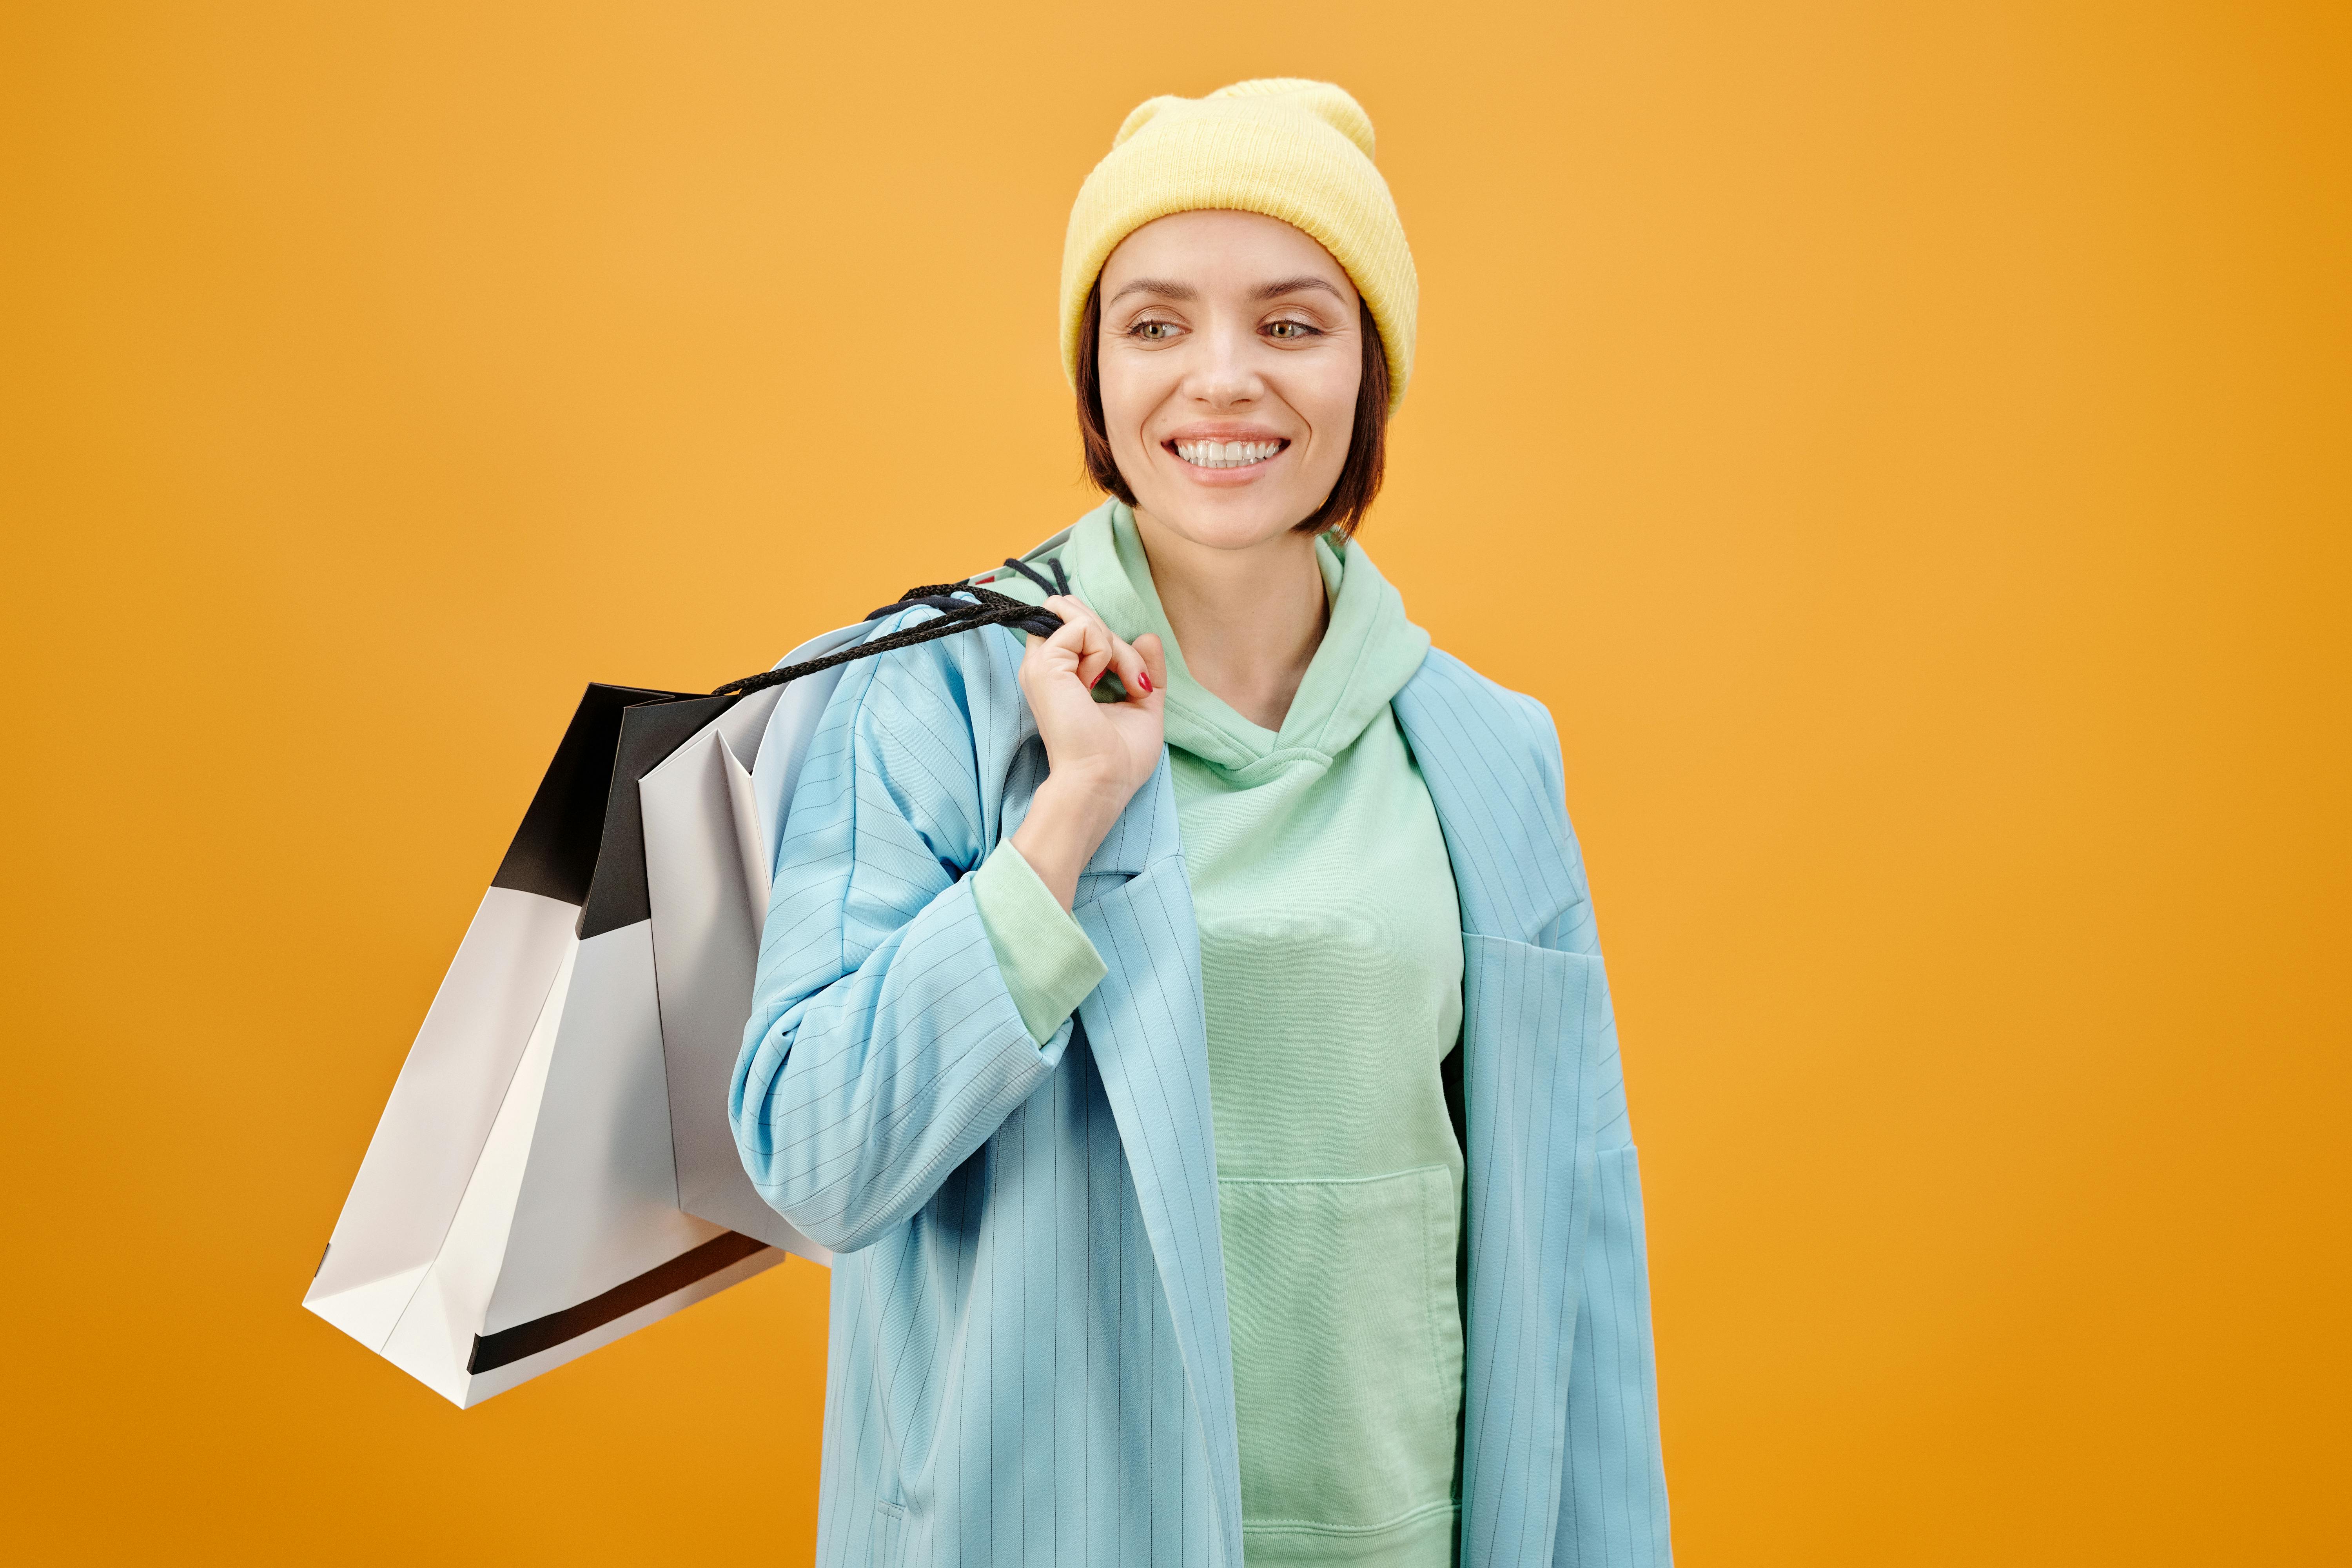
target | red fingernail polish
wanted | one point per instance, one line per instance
(1145, 676)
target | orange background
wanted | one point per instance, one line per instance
(1908, 447)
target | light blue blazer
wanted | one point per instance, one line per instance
(1029, 1362)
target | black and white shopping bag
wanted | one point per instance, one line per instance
(554, 1169)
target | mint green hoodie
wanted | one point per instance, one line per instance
(1332, 960)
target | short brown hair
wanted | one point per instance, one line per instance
(1367, 448)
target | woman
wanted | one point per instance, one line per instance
(1188, 1028)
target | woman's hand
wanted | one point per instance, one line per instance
(1097, 753)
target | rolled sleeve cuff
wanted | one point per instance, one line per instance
(1049, 965)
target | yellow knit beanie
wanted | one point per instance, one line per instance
(1294, 150)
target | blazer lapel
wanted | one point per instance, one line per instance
(1506, 831)
(1536, 1024)
(1145, 1024)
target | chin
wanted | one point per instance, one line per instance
(1236, 519)
(1226, 526)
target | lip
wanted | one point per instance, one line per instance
(1219, 430)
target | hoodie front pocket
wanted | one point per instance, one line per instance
(1346, 1346)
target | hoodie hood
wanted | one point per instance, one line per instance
(1368, 653)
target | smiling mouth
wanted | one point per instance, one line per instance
(1225, 453)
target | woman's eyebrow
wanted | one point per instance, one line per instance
(1282, 286)
(1160, 286)
(1167, 289)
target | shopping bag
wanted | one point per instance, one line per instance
(521, 1201)
(714, 815)
(517, 1205)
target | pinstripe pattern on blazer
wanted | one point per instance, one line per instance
(1029, 1361)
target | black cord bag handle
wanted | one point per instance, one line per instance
(961, 606)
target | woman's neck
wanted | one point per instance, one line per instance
(1247, 621)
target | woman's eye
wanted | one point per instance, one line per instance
(1289, 329)
(1155, 331)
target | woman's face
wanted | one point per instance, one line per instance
(1230, 359)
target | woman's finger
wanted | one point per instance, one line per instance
(1133, 673)
(1094, 652)
(1049, 657)
(1097, 659)
(1071, 640)
(1071, 611)
(1155, 659)
(1093, 642)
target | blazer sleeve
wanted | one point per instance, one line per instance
(884, 1047)
(1612, 1496)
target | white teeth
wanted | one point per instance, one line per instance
(1226, 453)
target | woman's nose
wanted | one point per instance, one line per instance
(1224, 373)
